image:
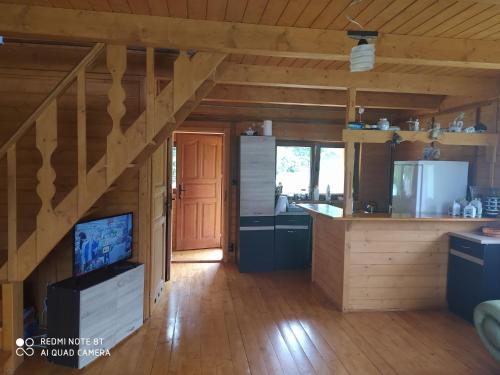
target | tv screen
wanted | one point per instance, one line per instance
(101, 242)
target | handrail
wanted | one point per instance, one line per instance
(61, 86)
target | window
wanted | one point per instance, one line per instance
(331, 170)
(293, 169)
(302, 165)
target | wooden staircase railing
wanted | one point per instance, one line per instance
(192, 80)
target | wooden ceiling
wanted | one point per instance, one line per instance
(478, 19)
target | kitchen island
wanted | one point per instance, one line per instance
(380, 261)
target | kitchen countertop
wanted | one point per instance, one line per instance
(477, 237)
(338, 214)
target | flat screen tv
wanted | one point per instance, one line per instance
(99, 243)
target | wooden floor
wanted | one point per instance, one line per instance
(203, 255)
(214, 320)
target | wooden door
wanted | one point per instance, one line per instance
(158, 221)
(199, 191)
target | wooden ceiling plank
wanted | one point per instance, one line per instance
(61, 4)
(158, 8)
(235, 10)
(254, 11)
(441, 18)
(248, 59)
(355, 11)
(273, 11)
(330, 13)
(408, 14)
(470, 22)
(390, 12)
(328, 98)
(239, 74)
(488, 34)
(424, 15)
(457, 19)
(216, 10)
(119, 6)
(312, 64)
(240, 38)
(484, 25)
(286, 62)
(81, 4)
(139, 7)
(262, 60)
(311, 12)
(178, 8)
(100, 5)
(299, 63)
(292, 12)
(197, 9)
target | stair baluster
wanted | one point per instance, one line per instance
(116, 60)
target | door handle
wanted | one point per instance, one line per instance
(180, 189)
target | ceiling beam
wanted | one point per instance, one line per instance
(323, 98)
(228, 37)
(258, 75)
(256, 112)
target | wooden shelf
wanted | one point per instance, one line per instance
(457, 139)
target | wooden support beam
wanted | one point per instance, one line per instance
(12, 323)
(258, 75)
(350, 110)
(12, 212)
(228, 37)
(348, 178)
(321, 97)
(81, 124)
(150, 93)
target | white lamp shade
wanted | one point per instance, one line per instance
(362, 58)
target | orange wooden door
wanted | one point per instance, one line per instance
(199, 191)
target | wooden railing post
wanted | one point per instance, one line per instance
(81, 140)
(12, 269)
(46, 142)
(116, 60)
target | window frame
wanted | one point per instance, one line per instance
(315, 159)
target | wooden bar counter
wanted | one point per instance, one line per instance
(381, 262)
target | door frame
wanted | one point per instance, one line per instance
(201, 127)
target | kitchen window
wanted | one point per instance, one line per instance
(302, 165)
(293, 169)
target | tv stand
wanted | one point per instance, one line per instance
(106, 305)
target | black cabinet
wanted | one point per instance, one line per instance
(292, 242)
(473, 273)
(256, 250)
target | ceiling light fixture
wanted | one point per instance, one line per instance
(363, 55)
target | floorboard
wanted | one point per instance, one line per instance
(214, 320)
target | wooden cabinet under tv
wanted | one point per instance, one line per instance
(105, 304)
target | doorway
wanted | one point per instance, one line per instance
(197, 184)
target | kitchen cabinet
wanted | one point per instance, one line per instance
(292, 242)
(257, 194)
(256, 251)
(473, 272)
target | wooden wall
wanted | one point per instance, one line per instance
(329, 257)
(398, 265)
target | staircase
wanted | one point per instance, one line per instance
(193, 78)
